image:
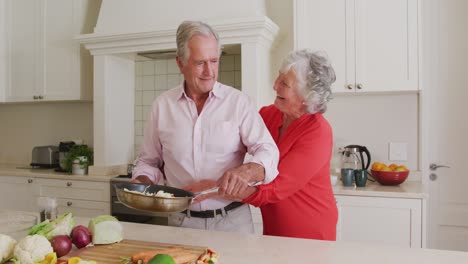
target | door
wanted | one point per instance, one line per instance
(444, 121)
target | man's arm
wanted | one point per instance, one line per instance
(263, 163)
(150, 161)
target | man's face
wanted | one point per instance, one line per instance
(201, 68)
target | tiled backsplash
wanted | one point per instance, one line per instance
(153, 77)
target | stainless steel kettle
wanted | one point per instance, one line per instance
(353, 158)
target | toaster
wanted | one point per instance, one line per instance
(45, 157)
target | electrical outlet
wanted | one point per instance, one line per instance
(397, 151)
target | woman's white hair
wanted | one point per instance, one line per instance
(315, 76)
(186, 31)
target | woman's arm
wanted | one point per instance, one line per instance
(308, 155)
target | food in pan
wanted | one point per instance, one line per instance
(160, 193)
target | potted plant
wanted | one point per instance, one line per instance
(78, 158)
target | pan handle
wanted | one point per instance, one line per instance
(207, 191)
(216, 188)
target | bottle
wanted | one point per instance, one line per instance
(48, 208)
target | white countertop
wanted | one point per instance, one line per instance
(22, 170)
(240, 248)
(408, 189)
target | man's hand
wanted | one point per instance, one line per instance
(201, 186)
(142, 179)
(234, 182)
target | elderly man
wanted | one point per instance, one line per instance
(198, 134)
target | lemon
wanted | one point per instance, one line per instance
(162, 259)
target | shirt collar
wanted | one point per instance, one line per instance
(218, 91)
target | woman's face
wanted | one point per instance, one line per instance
(288, 100)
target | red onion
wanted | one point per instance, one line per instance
(81, 236)
(61, 245)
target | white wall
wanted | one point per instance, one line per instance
(24, 126)
(374, 121)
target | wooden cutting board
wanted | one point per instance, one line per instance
(110, 254)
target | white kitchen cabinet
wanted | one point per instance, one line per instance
(390, 221)
(17, 193)
(372, 44)
(44, 62)
(82, 198)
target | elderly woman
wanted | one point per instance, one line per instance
(300, 201)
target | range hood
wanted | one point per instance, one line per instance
(126, 29)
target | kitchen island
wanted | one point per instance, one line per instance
(242, 248)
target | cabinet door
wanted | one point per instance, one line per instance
(390, 221)
(61, 53)
(24, 47)
(20, 190)
(328, 25)
(386, 45)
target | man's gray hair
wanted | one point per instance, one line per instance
(315, 76)
(186, 31)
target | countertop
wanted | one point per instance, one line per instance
(241, 248)
(408, 189)
(22, 170)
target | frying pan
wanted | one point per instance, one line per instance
(182, 200)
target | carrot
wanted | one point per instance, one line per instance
(144, 256)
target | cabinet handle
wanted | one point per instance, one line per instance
(69, 203)
(359, 86)
(35, 97)
(69, 184)
(350, 86)
(40, 97)
(30, 180)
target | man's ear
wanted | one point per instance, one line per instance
(179, 63)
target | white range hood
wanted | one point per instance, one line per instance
(125, 28)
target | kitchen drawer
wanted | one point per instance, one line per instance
(80, 190)
(83, 208)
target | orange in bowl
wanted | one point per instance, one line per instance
(390, 177)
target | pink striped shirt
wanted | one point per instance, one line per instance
(195, 147)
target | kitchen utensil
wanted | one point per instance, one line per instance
(110, 254)
(390, 177)
(353, 158)
(182, 200)
(360, 178)
(347, 177)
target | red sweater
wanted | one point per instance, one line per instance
(300, 201)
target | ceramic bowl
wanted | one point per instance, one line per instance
(390, 177)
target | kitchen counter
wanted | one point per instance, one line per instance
(22, 170)
(240, 248)
(408, 189)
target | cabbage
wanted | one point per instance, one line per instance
(105, 229)
(63, 225)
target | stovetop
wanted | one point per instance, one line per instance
(122, 178)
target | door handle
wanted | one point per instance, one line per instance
(434, 166)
